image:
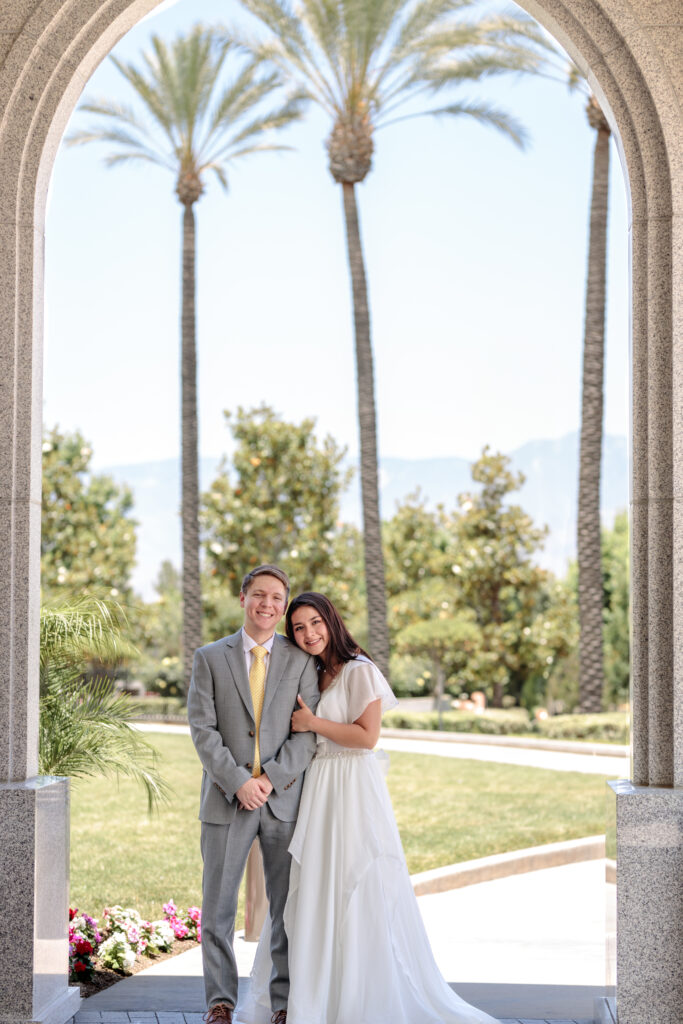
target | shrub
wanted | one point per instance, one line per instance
(610, 727)
(491, 723)
(159, 707)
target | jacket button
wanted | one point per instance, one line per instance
(249, 764)
(251, 732)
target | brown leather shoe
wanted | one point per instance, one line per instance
(279, 1017)
(219, 1013)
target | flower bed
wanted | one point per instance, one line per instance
(118, 945)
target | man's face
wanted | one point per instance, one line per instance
(264, 606)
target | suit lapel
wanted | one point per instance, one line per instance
(234, 655)
(279, 657)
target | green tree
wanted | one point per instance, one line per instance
(447, 641)
(278, 501)
(158, 631)
(616, 585)
(86, 730)
(88, 539)
(418, 545)
(361, 63)
(191, 118)
(498, 579)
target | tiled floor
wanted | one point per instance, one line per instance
(147, 1017)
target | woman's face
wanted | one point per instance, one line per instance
(310, 631)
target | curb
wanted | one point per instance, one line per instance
(562, 746)
(503, 865)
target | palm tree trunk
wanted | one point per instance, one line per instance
(591, 671)
(378, 633)
(191, 585)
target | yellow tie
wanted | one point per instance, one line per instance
(257, 680)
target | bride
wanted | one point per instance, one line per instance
(358, 950)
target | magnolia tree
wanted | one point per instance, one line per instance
(277, 500)
(87, 535)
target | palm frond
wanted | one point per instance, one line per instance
(482, 112)
(87, 731)
(82, 629)
(189, 121)
(267, 122)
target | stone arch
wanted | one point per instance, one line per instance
(630, 50)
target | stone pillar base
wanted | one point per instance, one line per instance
(649, 903)
(605, 1011)
(34, 903)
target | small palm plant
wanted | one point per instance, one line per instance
(192, 117)
(85, 729)
(369, 64)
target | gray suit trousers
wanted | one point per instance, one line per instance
(225, 849)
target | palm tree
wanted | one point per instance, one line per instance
(591, 668)
(361, 62)
(85, 729)
(192, 121)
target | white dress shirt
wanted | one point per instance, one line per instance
(248, 644)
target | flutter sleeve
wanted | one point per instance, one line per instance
(365, 683)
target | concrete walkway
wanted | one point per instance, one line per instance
(525, 948)
(532, 757)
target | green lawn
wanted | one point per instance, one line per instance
(447, 811)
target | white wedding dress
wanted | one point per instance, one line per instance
(358, 950)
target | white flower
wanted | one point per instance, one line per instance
(116, 953)
(161, 935)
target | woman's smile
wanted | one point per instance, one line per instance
(310, 631)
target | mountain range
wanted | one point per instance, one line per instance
(549, 495)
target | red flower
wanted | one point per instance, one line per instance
(72, 913)
(79, 966)
(82, 946)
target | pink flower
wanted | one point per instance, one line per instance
(170, 909)
(194, 914)
(180, 930)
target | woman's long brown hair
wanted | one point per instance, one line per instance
(341, 646)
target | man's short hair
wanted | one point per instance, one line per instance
(266, 570)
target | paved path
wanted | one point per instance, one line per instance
(528, 947)
(612, 767)
(93, 1017)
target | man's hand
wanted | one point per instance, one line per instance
(303, 720)
(251, 794)
(265, 784)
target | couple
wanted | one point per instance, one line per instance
(344, 924)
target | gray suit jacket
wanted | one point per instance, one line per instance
(221, 720)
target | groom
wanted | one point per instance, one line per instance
(241, 698)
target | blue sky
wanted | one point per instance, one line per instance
(475, 253)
